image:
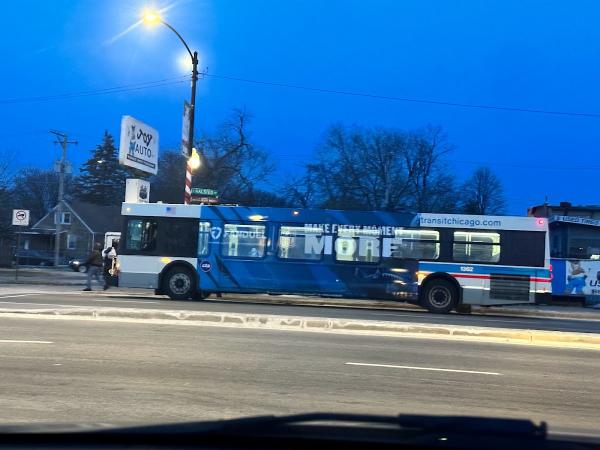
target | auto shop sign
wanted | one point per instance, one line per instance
(138, 147)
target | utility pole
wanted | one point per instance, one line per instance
(63, 140)
(187, 195)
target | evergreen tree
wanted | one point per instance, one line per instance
(102, 179)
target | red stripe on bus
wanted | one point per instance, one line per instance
(463, 275)
(486, 277)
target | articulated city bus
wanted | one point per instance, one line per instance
(440, 261)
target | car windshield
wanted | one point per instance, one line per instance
(212, 210)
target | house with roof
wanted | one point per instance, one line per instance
(82, 224)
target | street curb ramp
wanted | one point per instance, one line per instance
(317, 324)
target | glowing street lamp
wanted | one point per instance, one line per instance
(194, 160)
(152, 17)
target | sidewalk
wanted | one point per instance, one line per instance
(49, 276)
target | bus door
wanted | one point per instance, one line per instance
(242, 259)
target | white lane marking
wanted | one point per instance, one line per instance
(73, 306)
(39, 304)
(435, 369)
(124, 301)
(12, 341)
(18, 295)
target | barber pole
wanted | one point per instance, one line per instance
(188, 184)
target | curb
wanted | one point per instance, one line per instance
(588, 314)
(317, 324)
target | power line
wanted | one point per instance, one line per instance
(408, 99)
(110, 90)
(184, 78)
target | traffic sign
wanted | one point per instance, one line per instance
(205, 191)
(20, 217)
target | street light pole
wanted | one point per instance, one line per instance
(187, 195)
(152, 18)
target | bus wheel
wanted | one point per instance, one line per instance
(179, 283)
(439, 296)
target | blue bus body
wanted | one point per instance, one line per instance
(388, 279)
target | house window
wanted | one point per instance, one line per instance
(25, 244)
(66, 218)
(71, 241)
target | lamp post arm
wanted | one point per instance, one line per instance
(180, 38)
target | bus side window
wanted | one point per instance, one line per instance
(141, 235)
(416, 244)
(476, 246)
(203, 235)
(244, 241)
(300, 242)
(354, 245)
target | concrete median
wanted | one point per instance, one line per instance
(316, 324)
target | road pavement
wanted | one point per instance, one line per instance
(24, 297)
(82, 371)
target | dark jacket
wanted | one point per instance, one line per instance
(95, 259)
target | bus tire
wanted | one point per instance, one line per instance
(439, 296)
(179, 283)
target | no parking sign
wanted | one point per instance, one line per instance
(20, 217)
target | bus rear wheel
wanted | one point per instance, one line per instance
(179, 283)
(439, 296)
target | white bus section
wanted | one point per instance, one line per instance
(482, 222)
(142, 271)
(476, 279)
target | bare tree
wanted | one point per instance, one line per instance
(432, 184)
(37, 190)
(378, 169)
(483, 193)
(6, 160)
(359, 169)
(302, 191)
(231, 162)
(168, 184)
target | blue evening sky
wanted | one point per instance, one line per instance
(522, 53)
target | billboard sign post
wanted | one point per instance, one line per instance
(138, 147)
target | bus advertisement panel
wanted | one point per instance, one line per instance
(577, 277)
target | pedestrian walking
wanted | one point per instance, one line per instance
(108, 256)
(94, 266)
